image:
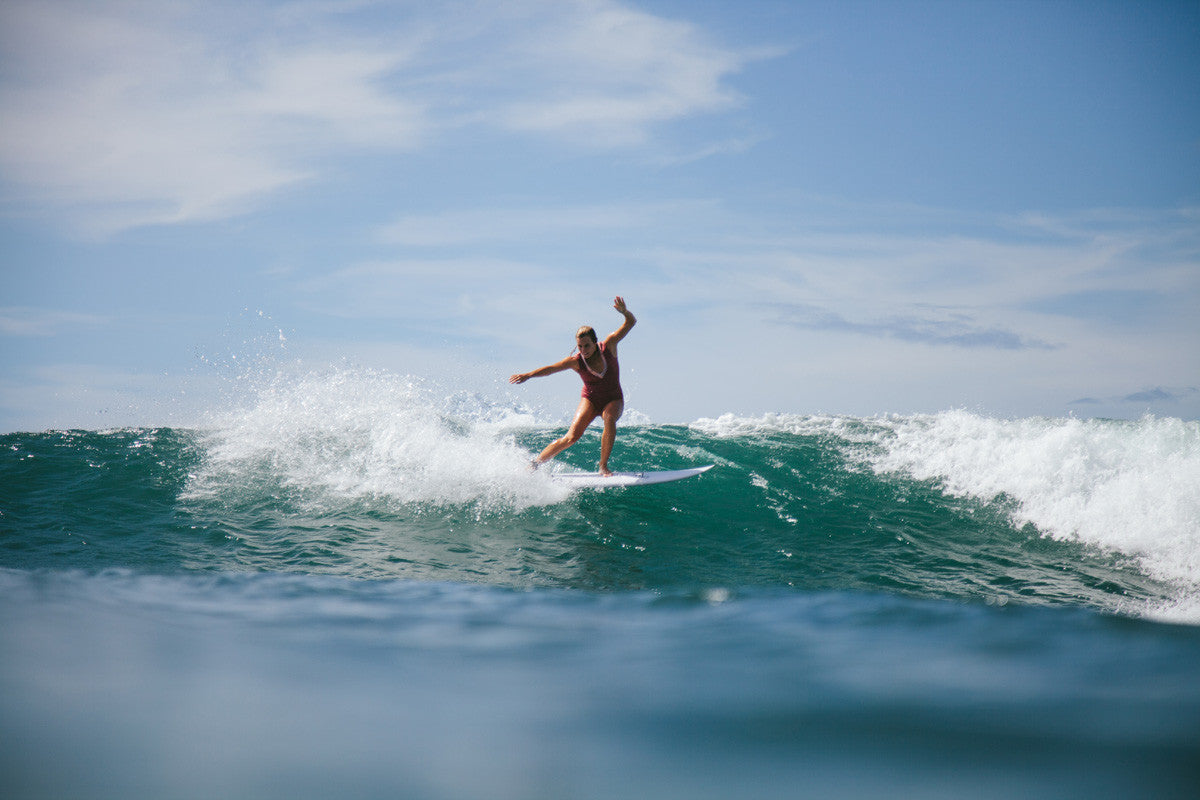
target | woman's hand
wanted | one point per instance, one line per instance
(626, 326)
(518, 378)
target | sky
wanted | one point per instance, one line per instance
(812, 207)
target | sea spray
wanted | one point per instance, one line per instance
(357, 435)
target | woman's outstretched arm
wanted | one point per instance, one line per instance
(626, 326)
(541, 372)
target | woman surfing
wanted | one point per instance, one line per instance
(596, 363)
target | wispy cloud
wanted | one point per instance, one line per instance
(817, 268)
(732, 146)
(956, 330)
(435, 291)
(141, 113)
(609, 72)
(146, 113)
(24, 321)
(541, 223)
(1159, 394)
(1153, 396)
(1118, 307)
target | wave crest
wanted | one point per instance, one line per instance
(352, 436)
(1129, 487)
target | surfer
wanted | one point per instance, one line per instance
(596, 363)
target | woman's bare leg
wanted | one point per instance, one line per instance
(584, 416)
(612, 413)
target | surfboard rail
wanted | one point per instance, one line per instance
(594, 480)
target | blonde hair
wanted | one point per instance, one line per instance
(586, 330)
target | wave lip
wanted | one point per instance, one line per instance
(329, 441)
(1131, 488)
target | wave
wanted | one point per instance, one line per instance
(1131, 488)
(371, 475)
(328, 440)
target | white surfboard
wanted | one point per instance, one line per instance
(594, 480)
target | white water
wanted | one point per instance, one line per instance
(351, 435)
(1129, 487)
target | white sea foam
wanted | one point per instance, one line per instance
(355, 435)
(1130, 487)
(801, 424)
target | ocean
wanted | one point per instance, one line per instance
(352, 586)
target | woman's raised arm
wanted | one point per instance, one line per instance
(626, 326)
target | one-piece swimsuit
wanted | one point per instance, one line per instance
(605, 386)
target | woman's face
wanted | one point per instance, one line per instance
(586, 345)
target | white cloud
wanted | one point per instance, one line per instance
(594, 71)
(143, 113)
(140, 113)
(23, 321)
(927, 314)
(427, 290)
(1008, 284)
(516, 224)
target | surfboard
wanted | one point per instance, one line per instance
(594, 480)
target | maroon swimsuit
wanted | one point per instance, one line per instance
(605, 387)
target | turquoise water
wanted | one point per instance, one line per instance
(353, 587)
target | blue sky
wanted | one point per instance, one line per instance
(831, 207)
